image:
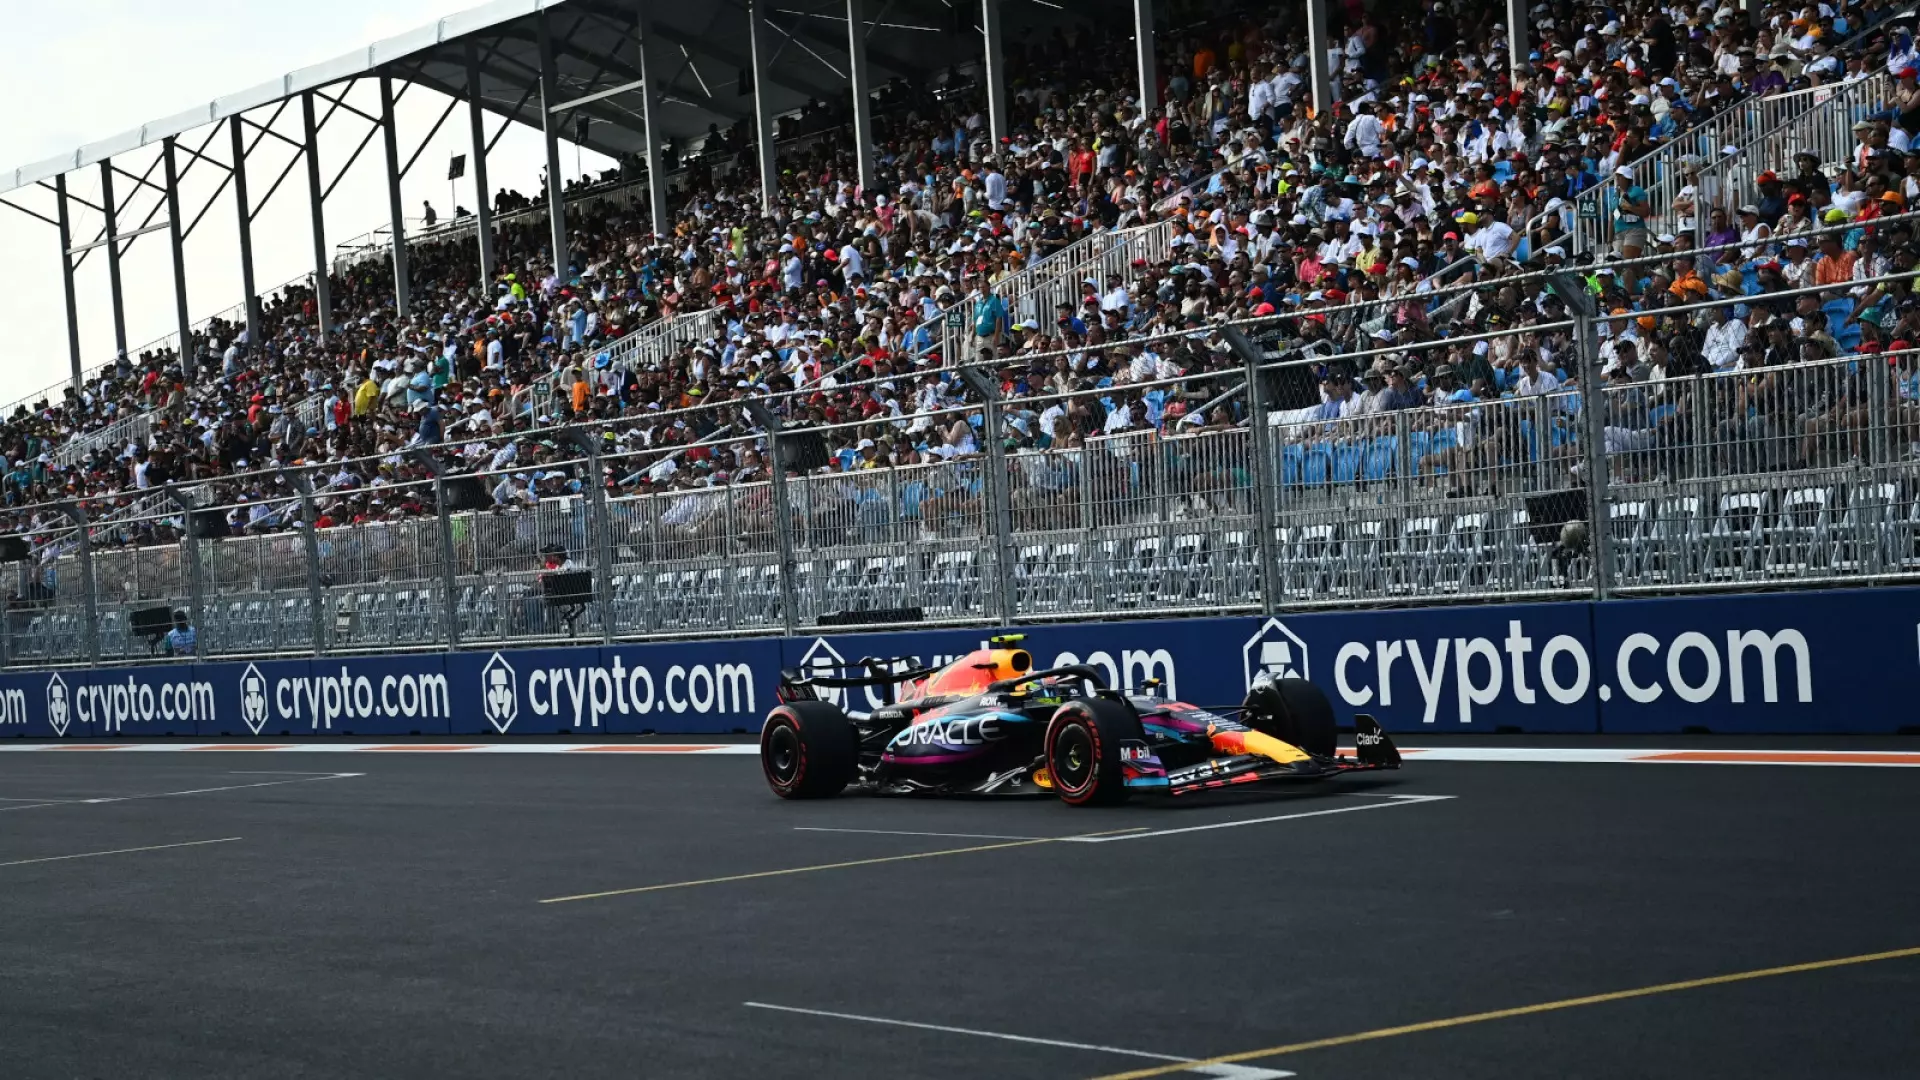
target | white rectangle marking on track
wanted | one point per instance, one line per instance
(192, 791)
(1226, 1072)
(1394, 800)
(120, 851)
(905, 832)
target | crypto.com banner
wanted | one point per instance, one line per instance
(1804, 662)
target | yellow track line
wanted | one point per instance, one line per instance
(1504, 1014)
(831, 866)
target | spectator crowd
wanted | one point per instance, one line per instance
(1382, 239)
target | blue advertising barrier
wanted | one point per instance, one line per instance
(1803, 662)
(1841, 662)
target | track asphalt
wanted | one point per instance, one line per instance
(227, 921)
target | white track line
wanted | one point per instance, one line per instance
(1396, 800)
(1226, 1072)
(119, 851)
(192, 791)
(903, 832)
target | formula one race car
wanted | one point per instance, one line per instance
(988, 724)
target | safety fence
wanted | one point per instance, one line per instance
(1795, 475)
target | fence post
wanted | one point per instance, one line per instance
(196, 595)
(78, 516)
(1698, 462)
(449, 616)
(1264, 484)
(600, 522)
(1878, 376)
(310, 537)
(1593, 411)
(1403, 454)
(997, 485)
(782, 511)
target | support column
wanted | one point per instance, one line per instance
(649, 117)
(188, 362)
(998, 495)
(550, 127)
(245, 204)
(66, 278)
(782, 513)
(322, 285)
(113, 259)
(196, 591)
(1320, 77)
(996, 72)
(483, 192)
(1516, 33)
(396, 211)
(599, 524)
(862, 90)
(89, 587)
(1593, 426)
(763, 125)
(1265, 476)
(1593, 435)
(1143, 42)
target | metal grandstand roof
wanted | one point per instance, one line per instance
(695, 56)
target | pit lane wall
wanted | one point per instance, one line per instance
(1843, 661)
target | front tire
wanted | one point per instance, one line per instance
(1083, 751)
(809, 750)
(1294, 711)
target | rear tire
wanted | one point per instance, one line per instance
(1083, 751)
(809, 750)
(1294, 711)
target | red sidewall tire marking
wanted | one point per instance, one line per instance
(784, 718)
(1080, 795)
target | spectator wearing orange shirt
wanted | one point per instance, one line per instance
(1835, 265)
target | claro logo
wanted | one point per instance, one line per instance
(1694, 667)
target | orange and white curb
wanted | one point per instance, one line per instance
(1514, 754)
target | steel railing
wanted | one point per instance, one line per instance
(1764, 133)
(1799, 475)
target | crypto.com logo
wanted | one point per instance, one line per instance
(1276, 651)
(823, 659)
(57, 710)
(499, 693)
(253, 699)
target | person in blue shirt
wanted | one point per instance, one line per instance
(989, 316)
(1066, 320)
(181, 640)
(1631, 209)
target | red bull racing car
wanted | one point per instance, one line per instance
(990, 724)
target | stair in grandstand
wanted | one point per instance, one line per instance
(1766, 132)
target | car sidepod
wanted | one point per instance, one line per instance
(964, 748)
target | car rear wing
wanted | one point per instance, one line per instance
(798, 684)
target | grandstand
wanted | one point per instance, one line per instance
(1004, 312)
